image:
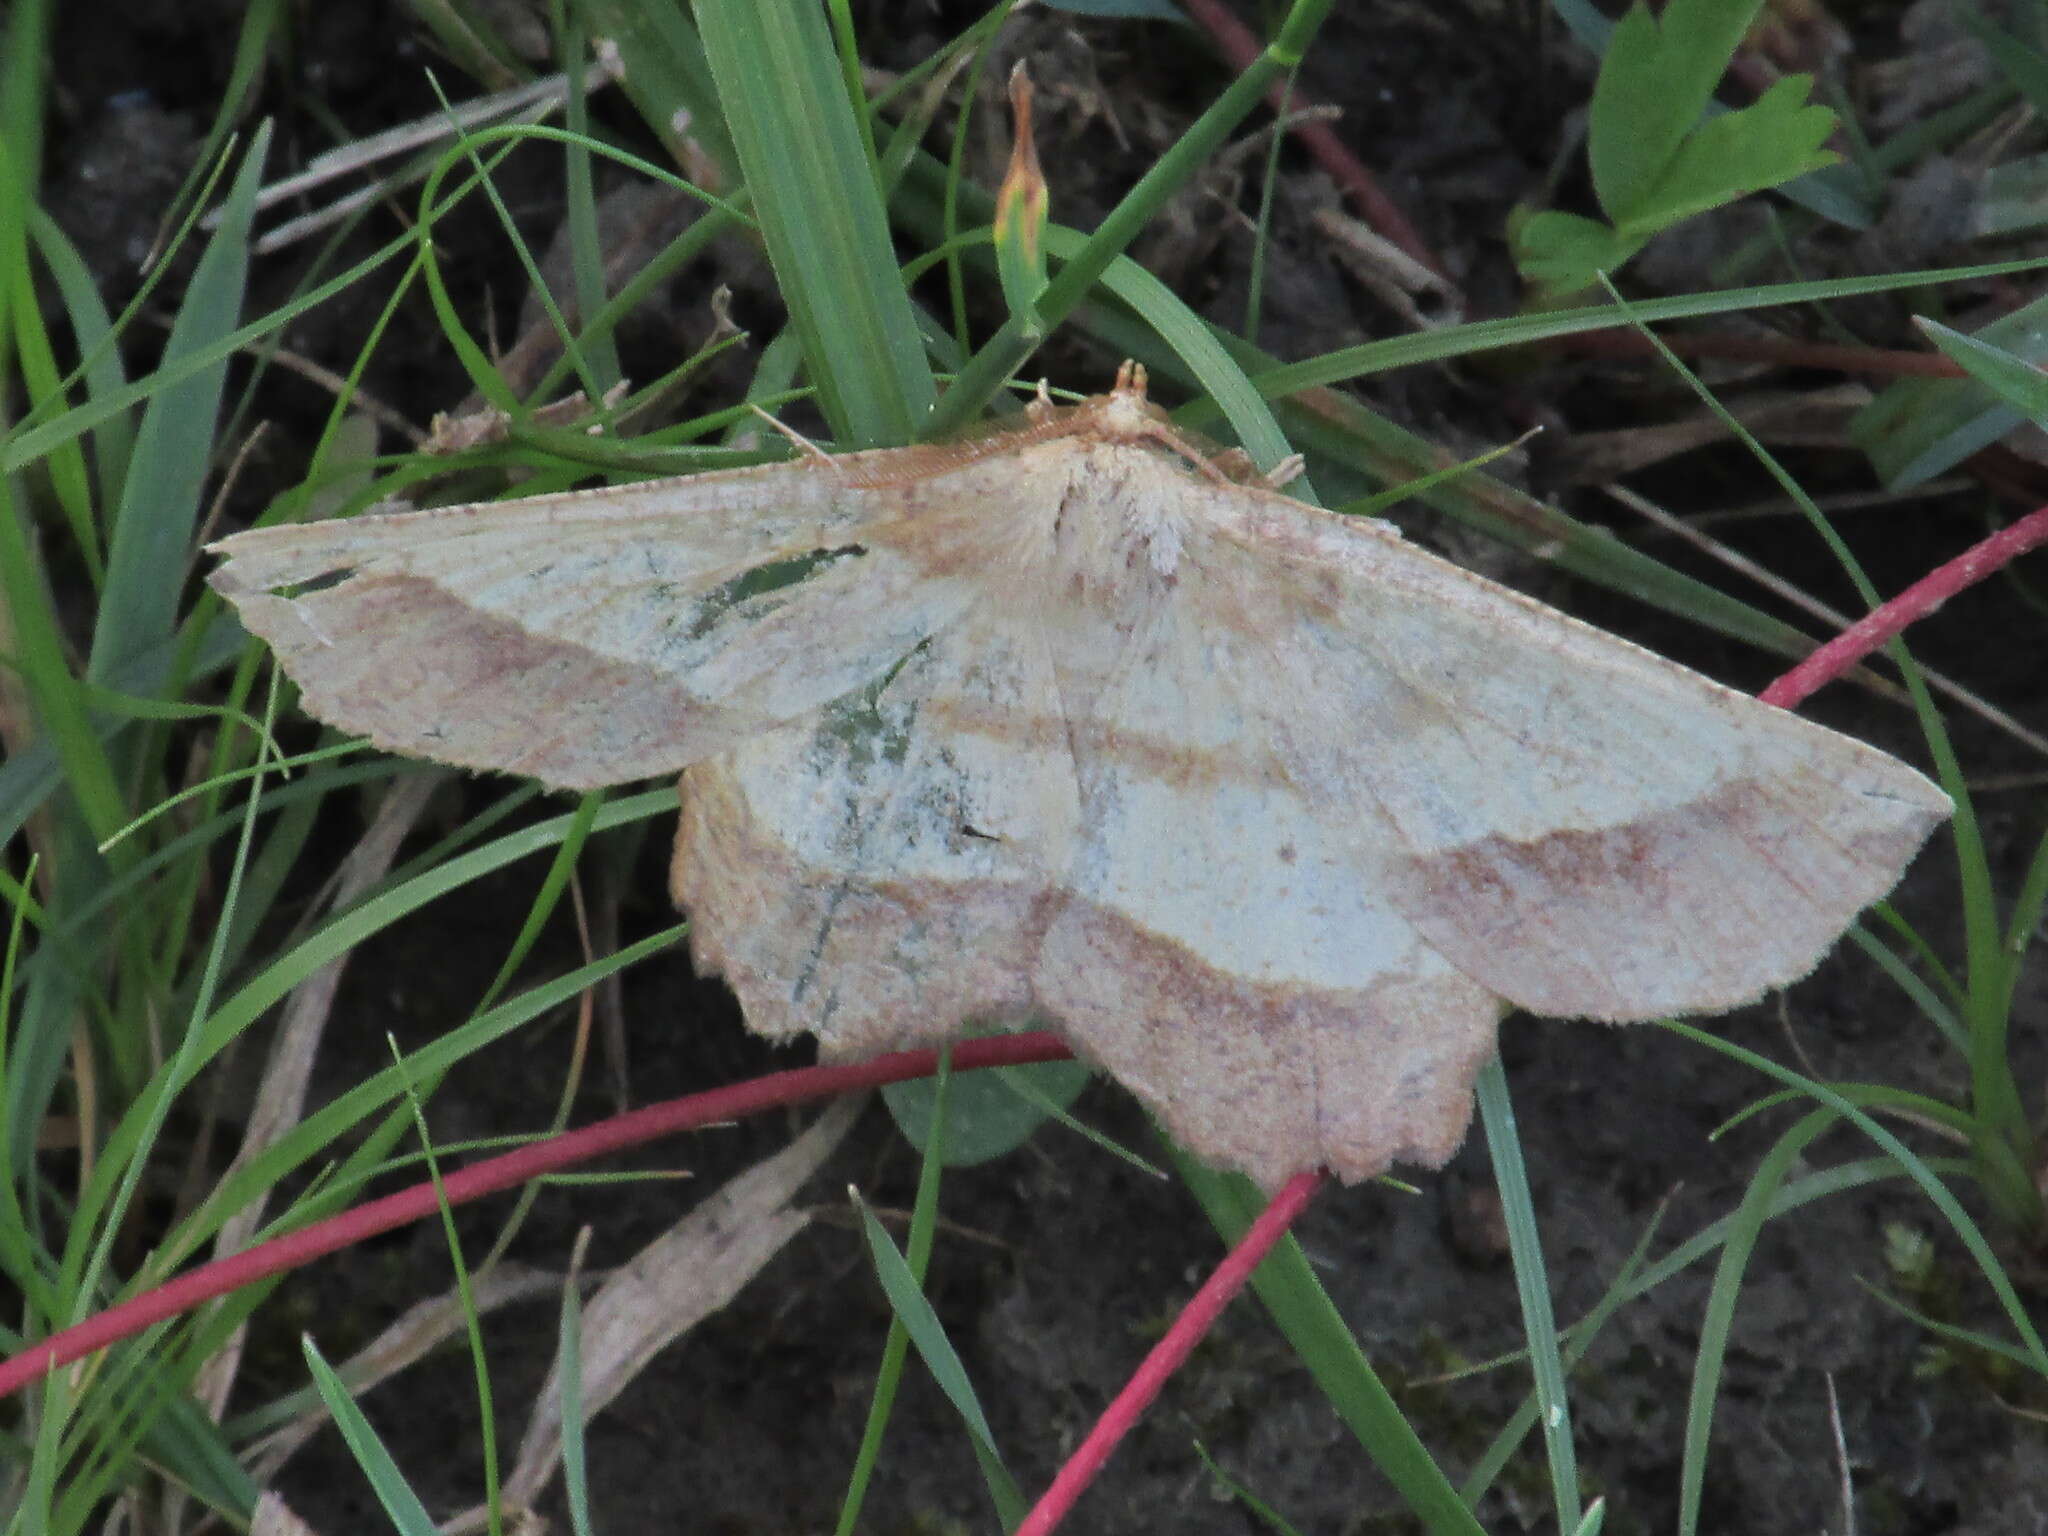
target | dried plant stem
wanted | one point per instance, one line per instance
(1237, 45)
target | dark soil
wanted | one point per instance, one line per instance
(1072, 1262)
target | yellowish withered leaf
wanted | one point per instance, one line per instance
(1266, 810)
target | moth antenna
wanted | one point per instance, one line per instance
(809, 449)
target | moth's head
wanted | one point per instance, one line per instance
(1124, 414)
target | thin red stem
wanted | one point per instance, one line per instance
(776, 1090)
(1915, 603)
(1187, 1331)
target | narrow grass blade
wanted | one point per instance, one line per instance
(407, 1514)
(936, 1350)
(1919, 428)
(924, 1218)
(1532, 1284)
(1918, 1169)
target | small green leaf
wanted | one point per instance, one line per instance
(1656, 80)
(1777, 137)
(1654, 162)
(985, 1116)
(1563, 253)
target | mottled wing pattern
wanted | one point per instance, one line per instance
(883, 871)
(1268, 812)
(595, 637)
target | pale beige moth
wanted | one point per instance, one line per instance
(1268, 811)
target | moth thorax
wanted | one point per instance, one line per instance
(1124, 532)
(1125, 417)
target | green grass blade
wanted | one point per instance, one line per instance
(315, 1136)
(238, 1011)
(407, 1514)
(2026, 917)
(1918, 1169)
(664, 72)
(1583, 1333)
(465, 1292)
(586, 243)
(1925, 998)
(896, 1347)
(907, 1297)
(1746, 1224)
(1919, 428)
(821, 214)
(25, 57)
(92, 333)
(160, 501)
(1532, 1284)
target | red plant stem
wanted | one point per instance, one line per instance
(1194, 1321)
(1910, 606)
(1240, 49)
(776, 1090)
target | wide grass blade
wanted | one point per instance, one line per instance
(160, 501)
(821, 213)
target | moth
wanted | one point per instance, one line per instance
(1269, 812)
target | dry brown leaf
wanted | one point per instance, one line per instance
(674, 1283)
(1268, 811)
(274, 1517)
